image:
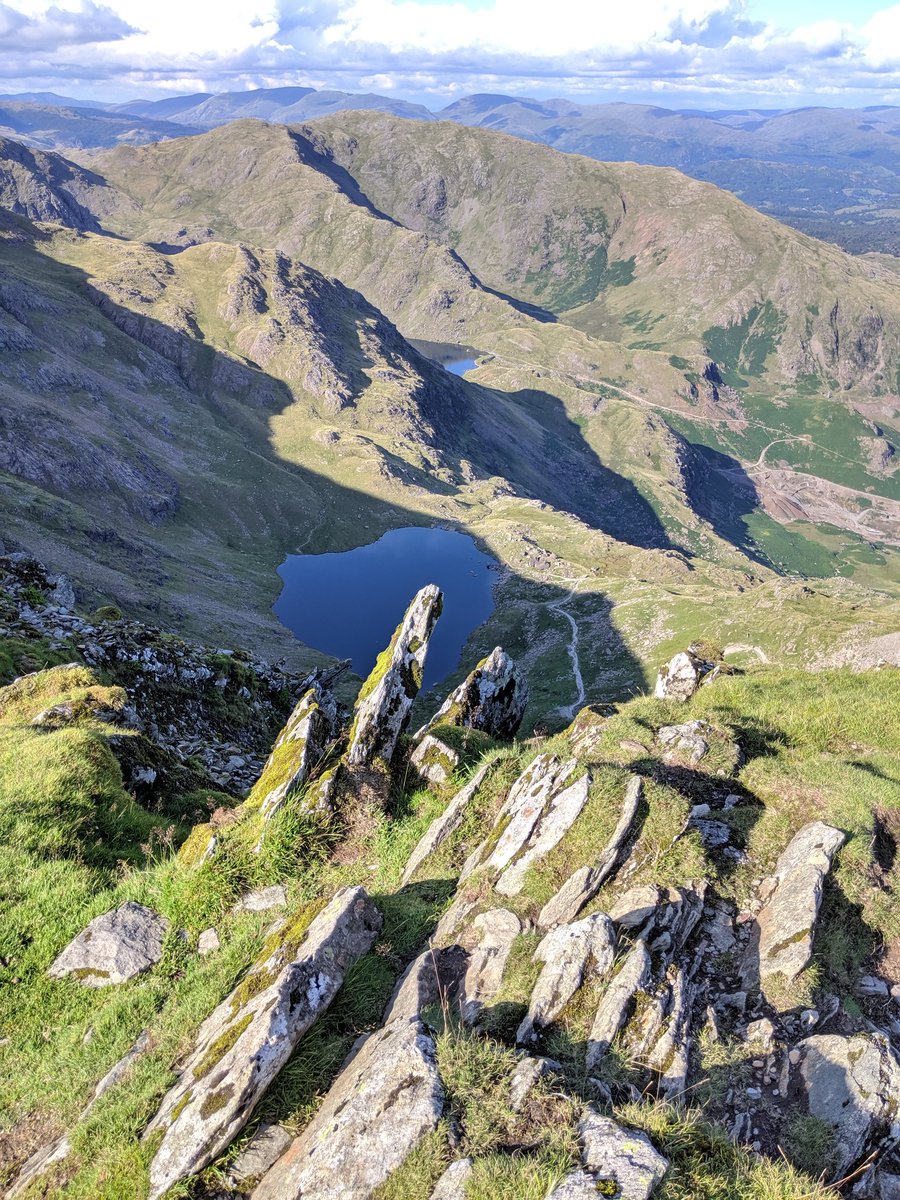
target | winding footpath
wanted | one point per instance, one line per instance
(558, 606)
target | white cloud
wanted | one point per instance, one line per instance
(672, 48)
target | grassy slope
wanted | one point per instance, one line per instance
(816, 745)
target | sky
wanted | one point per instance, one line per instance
(676, 53)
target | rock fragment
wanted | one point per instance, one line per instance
(496, 930)
(633, 976)
(452, 1184)
(625, 1156)
(265, 1148)
(680, 678)
(114, 947)
(444, 825)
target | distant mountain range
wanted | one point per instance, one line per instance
(830, 172)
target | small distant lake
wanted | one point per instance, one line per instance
(349, 604)
(453, 358)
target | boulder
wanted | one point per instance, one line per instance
(385, 1100)
(568, 953)
(624, 1156)
(528, 799)
(690, 740)
(432, 978)
(680, 678)
(452, 1184)
(492, 698)
(114, 947)
(554, 824)
(853, 1085)
(386, 698)
(245, 1042)
(434, 760)
(495, 931)
(633, 976)
(442, 827)
(583, 884)
(788, 919)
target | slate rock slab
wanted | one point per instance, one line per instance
(385, 1100)
(244, 1043)
(114, 947)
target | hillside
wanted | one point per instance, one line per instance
(655, 955)
(235, 405)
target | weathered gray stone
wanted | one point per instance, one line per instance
(208, 942)
(671, 1054)
(577, 1185)
(298, 748)
(528, 799)
(452, 1184)
(714, 834)
(385, 1100)
(567, 952)
(583, 884)
(265, 1148)
(623, 1155)
(492, 698)
(852, 1084)
(633, 976)
(434, 977)
(787, 921)
(526, 1076)
(442, 827)
(114, 947)
(552, 827)
(243, 1045)
(680, 678)
(434, 760)
(636, 906)
(495, 931)
(262, 899)
(689, 740)
(383, 708)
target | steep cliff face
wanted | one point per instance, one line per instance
(653, 955)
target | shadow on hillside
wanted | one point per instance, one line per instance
(239, 506)
(724, 495)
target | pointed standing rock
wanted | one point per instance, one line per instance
(385, 1100)
(299, 746)
(384, 703)
(246, 1041)
(682, 676)
(492, 698)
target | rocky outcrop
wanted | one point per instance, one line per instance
(492, 698)
(853, 1085)
(245, 1042)
(554, 823)
(680, 678)
(114, 947)
(385, 1100)
(633, 976)
(383, 707)
(494, 932)
(568, 953)
(297, 750)
(792, 898)
(583, 884)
